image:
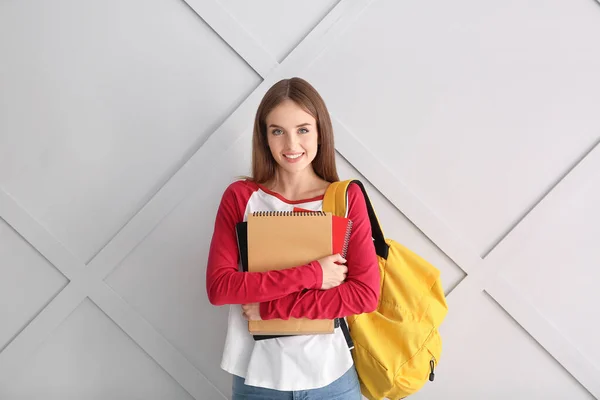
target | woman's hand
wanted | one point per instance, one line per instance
(334, 272)
(251, 312)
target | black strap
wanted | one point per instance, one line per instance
(381, 247)
(346, 332)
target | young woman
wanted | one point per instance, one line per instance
(293, 162)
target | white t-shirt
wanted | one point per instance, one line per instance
(296, 362)
(289, 363)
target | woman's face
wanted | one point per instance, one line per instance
(292, 136)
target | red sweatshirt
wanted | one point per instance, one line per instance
(281, 293)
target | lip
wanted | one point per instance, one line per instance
(293, 160)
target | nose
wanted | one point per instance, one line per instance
(291, 140)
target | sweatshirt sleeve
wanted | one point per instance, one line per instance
(359, 293)
(225, 284)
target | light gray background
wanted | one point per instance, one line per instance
(474, 123)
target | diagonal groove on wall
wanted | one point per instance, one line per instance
(392, 188)
(542, 196)
(152, 342)
(27, 323)
(234, 35)
(522, 312)
(394, 192)
(524, 326)
(85, 283)
(517, 304)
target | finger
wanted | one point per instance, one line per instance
(338, 257)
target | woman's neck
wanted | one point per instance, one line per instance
(297, 186)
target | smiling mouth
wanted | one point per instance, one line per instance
(293, 156)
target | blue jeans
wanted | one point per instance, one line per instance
(344, 388)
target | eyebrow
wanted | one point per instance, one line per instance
(298, 126)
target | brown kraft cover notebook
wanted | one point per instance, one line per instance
(280, 240)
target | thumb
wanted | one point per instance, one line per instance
(339, 258)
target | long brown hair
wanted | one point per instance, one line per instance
(303, 94)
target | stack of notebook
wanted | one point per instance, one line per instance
(279, 240)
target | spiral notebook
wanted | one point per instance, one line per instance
(279, 240)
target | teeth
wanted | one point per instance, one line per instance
(293, 156)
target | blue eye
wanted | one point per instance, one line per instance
(277, 132)
(303, 130)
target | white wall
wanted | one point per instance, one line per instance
(474, 123)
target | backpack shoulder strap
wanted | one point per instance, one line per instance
(336, 202)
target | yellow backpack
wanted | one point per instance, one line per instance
(396, 347)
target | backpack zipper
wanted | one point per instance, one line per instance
(432, 368)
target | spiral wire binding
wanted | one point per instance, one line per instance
(288, 213)
(347, 239)
(305, 214)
